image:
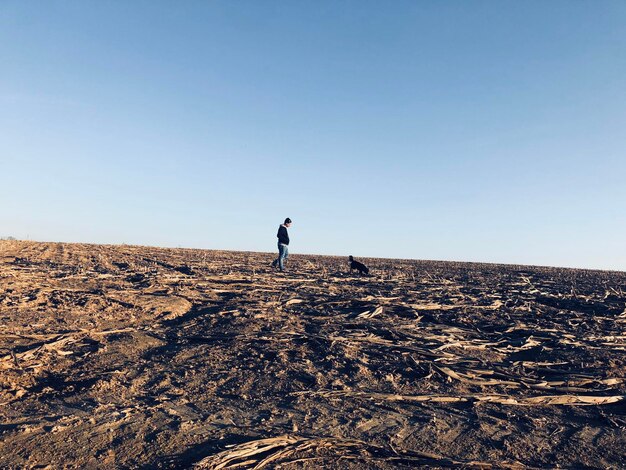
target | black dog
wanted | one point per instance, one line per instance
(360, 267)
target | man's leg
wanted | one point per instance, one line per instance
(281, 256)
(277, 260)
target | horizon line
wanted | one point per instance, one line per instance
(180, 247)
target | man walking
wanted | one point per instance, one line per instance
(283, 244)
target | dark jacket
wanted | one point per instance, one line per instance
(283, 236)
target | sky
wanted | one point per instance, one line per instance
(489, 131)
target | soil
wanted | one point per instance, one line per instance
(139, 357)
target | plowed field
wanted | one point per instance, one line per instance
(139, 357)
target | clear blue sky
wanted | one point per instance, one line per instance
(456, 130)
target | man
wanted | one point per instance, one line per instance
(283, 243)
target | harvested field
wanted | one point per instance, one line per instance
(138, 357)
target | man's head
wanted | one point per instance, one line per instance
(287, 222)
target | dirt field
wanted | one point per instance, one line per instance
(138, 357)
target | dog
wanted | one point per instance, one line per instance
(360, 267)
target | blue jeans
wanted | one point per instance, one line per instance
(283, 253)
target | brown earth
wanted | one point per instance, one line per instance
(138, 357)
